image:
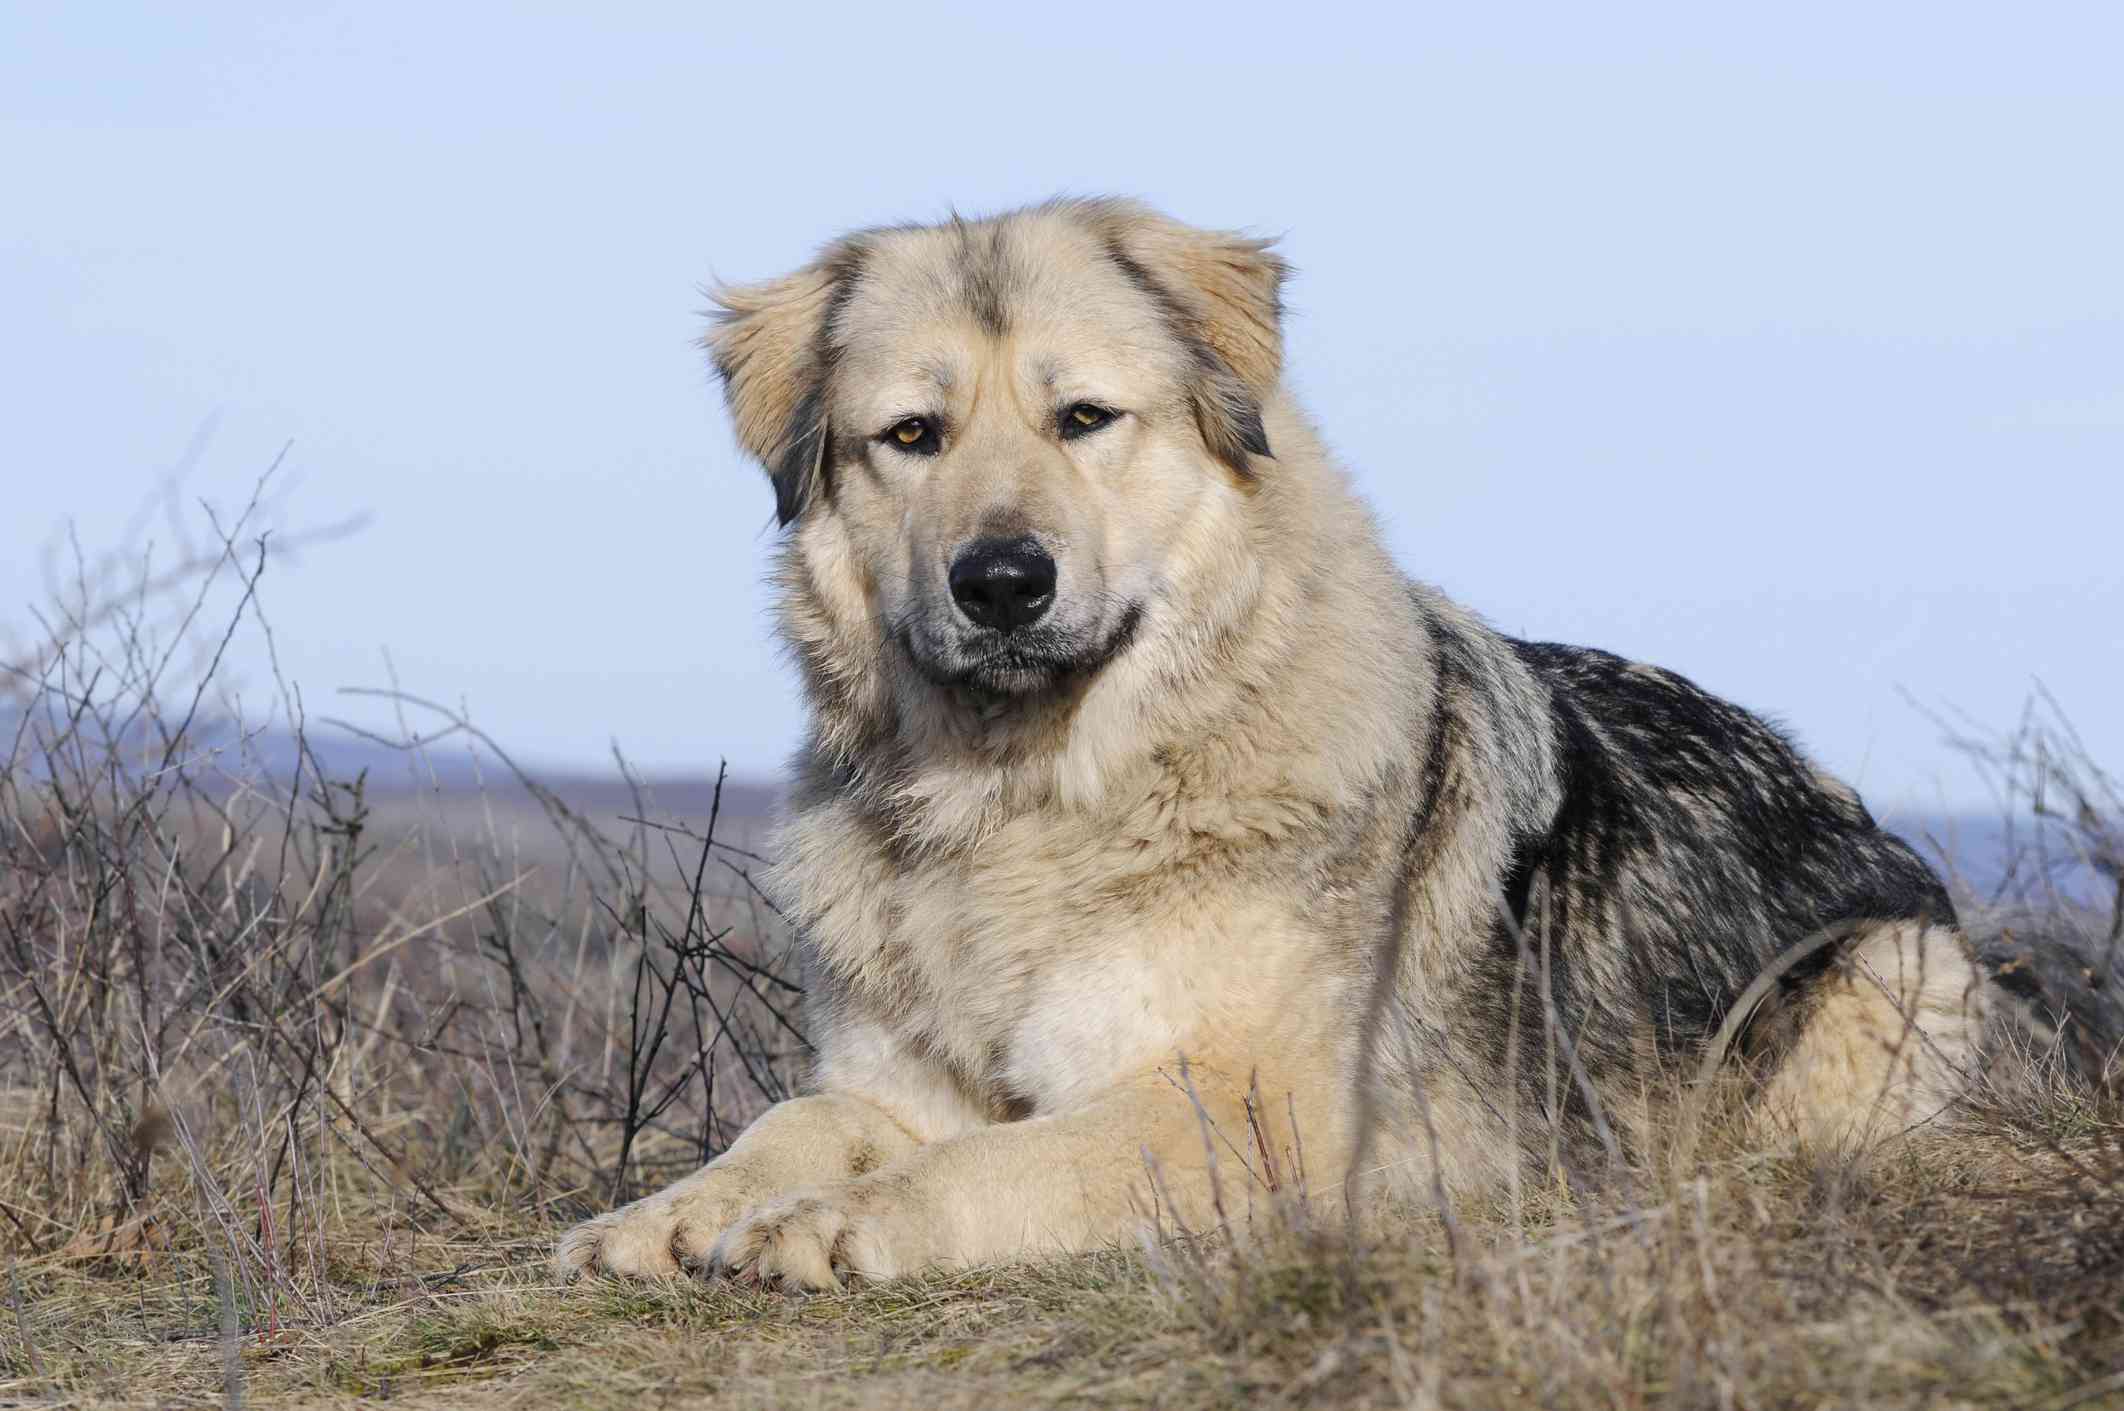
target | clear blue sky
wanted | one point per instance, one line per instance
(1784, 346)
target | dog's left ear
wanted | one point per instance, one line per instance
(770, 344)
(1224, 294)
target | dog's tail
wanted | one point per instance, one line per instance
(2061, 969)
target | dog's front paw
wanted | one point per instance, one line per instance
(816, 1240)
(659, 1236)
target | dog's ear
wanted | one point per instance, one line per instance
(771, 344)
(1223, 295)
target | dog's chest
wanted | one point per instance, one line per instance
(1041, 967)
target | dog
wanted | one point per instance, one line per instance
(1152, 824)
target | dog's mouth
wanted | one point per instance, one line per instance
(1027, 662)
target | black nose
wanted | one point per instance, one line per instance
(1003, 583)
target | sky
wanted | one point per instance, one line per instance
(1781, 346)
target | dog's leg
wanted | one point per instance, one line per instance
(1163, 1149)
(1889, 1039)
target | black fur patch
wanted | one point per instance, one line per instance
(1687, 845)
(796, 476)
(1698, 842)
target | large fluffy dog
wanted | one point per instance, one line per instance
(1150, 818)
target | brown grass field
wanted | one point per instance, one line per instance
(300, 1077)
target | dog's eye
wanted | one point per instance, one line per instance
(914, 435)
(1084, 417)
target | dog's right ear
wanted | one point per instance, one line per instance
(772, 346)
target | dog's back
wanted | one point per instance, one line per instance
(1680, 869)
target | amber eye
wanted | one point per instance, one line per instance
(1084, 417)
(915, 435)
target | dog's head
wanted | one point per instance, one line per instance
(991, 440)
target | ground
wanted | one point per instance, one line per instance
(1987, 1269)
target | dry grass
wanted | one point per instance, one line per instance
(296, 1091)
(1988, 1273)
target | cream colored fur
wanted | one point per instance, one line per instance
(1056, 941)
(1891, 1038)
